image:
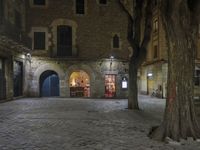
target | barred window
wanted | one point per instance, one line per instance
(39, 40)
(80, 6)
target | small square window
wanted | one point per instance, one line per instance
(39, 40)
(104, 2)
(39, 2)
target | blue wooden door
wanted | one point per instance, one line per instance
(50, 86)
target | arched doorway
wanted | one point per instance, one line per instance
(49, 84)
(79, 83)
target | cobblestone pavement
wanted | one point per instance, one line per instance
(81, 124)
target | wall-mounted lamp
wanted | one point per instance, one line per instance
(111, 59)
(150, 74)
(28, 56)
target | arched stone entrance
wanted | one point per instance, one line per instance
(35, 84)
(49, 84)
(79, 83)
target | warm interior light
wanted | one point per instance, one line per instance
(73, 82)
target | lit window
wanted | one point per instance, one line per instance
(39, 2)
(39, 40)
(116, 41)
(80, 6)
(104, 2)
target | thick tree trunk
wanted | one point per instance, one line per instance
(180, 118)
(133, 89)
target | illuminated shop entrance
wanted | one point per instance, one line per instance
(110, 86)
(79, 84)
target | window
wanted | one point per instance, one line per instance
(80, 6)
(155, 3)
(39, 2)
(155, 25)
(104, 2)
(39, 41)
(1, 11)
(197, 78)
(116, 41)
(155, 55)
(199, 30)
(18, 20)
(64, 40)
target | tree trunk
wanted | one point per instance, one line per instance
(180, 118)
(133, 89)
(141, 8)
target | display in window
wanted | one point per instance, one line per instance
(110, 86)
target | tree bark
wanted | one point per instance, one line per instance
(133, 87)
(181, 30)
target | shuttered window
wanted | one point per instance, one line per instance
(39, 40)
(80, 6)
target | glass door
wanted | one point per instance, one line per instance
(110, 86)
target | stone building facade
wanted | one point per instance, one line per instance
(153, 73)
(79, 48)
(13, 49)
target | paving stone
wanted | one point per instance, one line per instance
(85, 124)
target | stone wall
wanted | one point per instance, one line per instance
(95, 69)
